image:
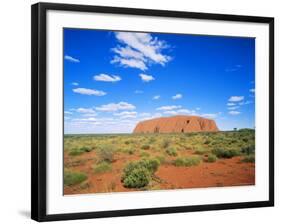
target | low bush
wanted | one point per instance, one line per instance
(151, 140)
(187, 161)
(79, 151)
(201, 151)
(138, 178)
(161, 159)
(248, 159)
(86, 149)
(138, 174)
(102, 167)
(207, 142)
(130, 151)
(248, 149)
(165, 143)
(211, 158)
(105, 154)
(171, 151)
(144, 154)
(72, 178)
(225, 153)
(145, 147)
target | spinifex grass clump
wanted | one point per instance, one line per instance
(165, 143)
(145, 147)
(187, 161)
(106, 153)
(201, 151)
(139, 174)
(249, 159)
(102, 167)
(211, 158)
(226, 153)
(171, 151)
(72, 178)
(79, 151)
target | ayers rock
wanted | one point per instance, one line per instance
(176, 124)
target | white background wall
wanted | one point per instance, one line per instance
(15, 110)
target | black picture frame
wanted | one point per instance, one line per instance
(38, 108)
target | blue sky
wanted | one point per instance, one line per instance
(113, 80)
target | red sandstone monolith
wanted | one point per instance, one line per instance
(176, 124)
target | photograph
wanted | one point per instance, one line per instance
(157, 111)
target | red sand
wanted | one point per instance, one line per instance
(224, 172)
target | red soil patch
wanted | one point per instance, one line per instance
(223, 172)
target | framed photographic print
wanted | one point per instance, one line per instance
(138, 111)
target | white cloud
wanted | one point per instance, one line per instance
(125, 113)
(186, 111)
(233, 112)
(172, 112)
(85, 119)
(157, 97)
(75, 83)
(144, 114)
(138, 50)
(85, 110)
(233, 108)
(252, 90)
(212, 116)
(133, 63)
(180, 111)
(138, 91)
(146, 78)
(89, 92)
(71, 59)
(128, 52)
(245, 102)
(173, 107)
(67, 112)
(236, 98)
(230, 104)
(155, 115)
(107, 78)
(177, 96)
(111, 107)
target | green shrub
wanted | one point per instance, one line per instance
(165, 143)
(211, 158)
(75, 152)
(207, 142)
(138, 174)
(171, 151)
(248, 159)
(161, 159)
(79, 151)
(225, 153)
(248, 149)
(72, 178)
(102, 167)
(138, 177)
(200, 151)
(106, 154)
(187, 161)
(130, 151)
(152, 140)
(86, 149)
(144, 154)
(145, 147)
